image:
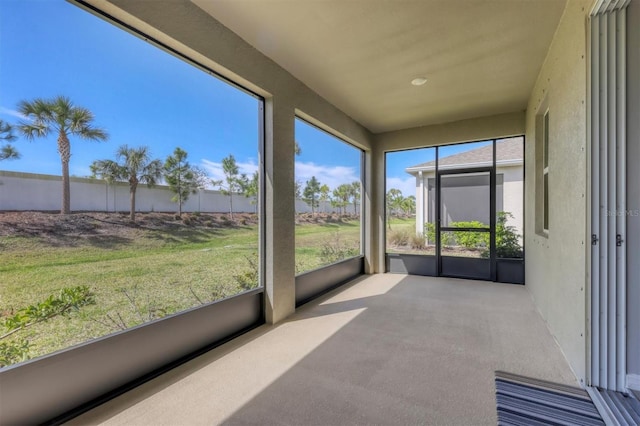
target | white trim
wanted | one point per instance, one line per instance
(500, 163)
(633, 382)
(604, 6)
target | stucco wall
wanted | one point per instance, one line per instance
(633, 190)
(555, 264)
(509, 198)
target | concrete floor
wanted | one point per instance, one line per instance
(385, 349)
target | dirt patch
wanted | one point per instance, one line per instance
(69, 230)
(322, 218)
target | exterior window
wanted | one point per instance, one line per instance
(328, 198)
(148, 204)
(545, 171)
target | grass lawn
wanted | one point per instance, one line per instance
(139, 274)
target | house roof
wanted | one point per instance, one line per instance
(507, 151)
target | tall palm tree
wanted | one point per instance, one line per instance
(61, 116)
(132, 164)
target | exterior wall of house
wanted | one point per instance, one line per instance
(556, 263)
(513, 196)
(509, 198)
(633, 191)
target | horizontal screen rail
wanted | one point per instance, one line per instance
(466, 229)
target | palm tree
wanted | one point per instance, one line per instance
(132, 164)
(7, 152)
(61, 116)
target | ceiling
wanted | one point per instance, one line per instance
(481, 57)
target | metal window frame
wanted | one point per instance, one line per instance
(37, 391)
(361, 178)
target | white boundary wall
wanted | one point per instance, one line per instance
(29, 191)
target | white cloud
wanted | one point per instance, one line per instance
(333, 176)
(406, 185)
(11, 112)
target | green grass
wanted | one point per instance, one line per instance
(150, 274)
(310, 238)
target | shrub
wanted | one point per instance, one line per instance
(334, 250)
(507, 239)
(399, 237)
(470, 239)
(69, 300)
(249, 278)
(418, 242)
(448, 238)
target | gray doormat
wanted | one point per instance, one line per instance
(529, 402)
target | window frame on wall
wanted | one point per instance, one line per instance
(139, 353)
(545, 171)
(507, 268)
(541, 169)
(360, 205)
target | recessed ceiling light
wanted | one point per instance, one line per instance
(418, 81)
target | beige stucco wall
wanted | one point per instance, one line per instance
(509, 198)
(184, 27)
(556, 264)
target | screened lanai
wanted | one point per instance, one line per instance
(349, 327)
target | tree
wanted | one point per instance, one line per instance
(324, 196)
(252, 189)
(201, 180)
(8, 152)
(234, 182)
(311, 193)
(296, 149)
(408, 205)
(133, 165)
(394, 203)
(341, 197)
(61, 116)
(355, 195)
(297, 189)
(180, 177)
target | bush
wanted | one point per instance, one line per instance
(418, 242)
(507, 240)
(66, 302)
(470, 239)
(448, 238)
(399, 237)
(334, 250)
(249, 279)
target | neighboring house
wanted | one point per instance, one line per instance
(465, 198)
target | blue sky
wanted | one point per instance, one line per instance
(143, 96)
